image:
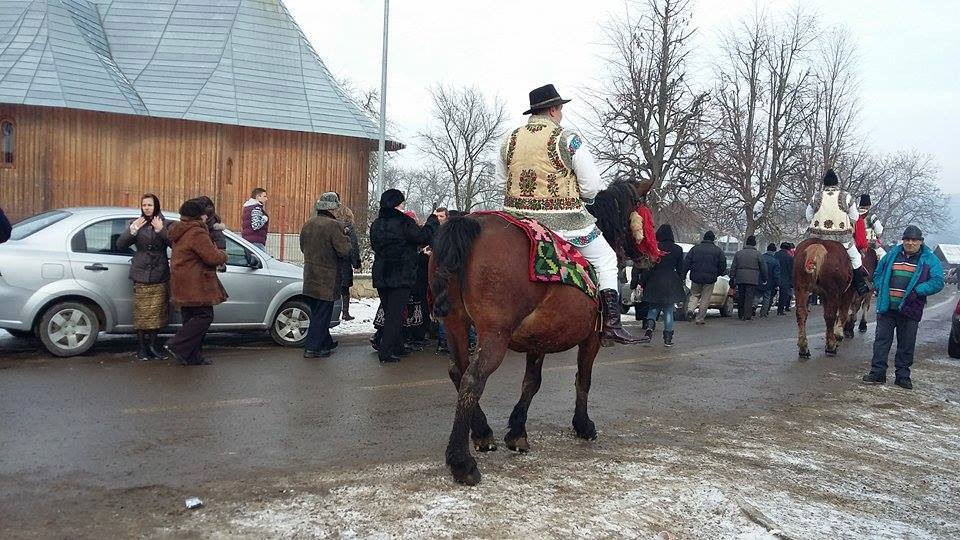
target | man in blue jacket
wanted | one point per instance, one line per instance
(903, 280)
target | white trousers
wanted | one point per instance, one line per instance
(600, 255)
(854, 255)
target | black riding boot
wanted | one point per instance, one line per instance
(860, 281)
(612, 329)
(143, 352)
(152, 348)
(345, 309)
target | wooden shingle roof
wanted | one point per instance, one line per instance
(241, 62)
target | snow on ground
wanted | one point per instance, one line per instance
(364, 310)
(867, 462)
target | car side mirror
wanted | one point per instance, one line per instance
(253, 261)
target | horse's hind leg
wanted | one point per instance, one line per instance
(585, 356)
(867, 301)
(830, 311)
(516, 438)
(457, 330)
(474, 378)
(850, 320)
(802, 310)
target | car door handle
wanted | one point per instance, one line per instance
(97, 267)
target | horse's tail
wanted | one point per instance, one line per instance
(451, 249)
(813, 260)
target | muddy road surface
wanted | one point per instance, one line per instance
(727, 434)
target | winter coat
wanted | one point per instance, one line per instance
(773, 271)
(705, 262)
(193, 266)
(395, 238)
(927, 280)
(663, 284)
(748, 267)
(786, 268)
(150, 264)
(253, 222)
(325, 245)
(5, 227)
(352, 262)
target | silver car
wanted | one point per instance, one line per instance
(63, 279)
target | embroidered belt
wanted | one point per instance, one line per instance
(522, 203)
(581, 241)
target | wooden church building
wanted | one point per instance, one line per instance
(104, 100)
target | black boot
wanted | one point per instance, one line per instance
(860, 281)
(668, 338)
(152, 348)
(648, 328)
(345, 311)
(143, 352)
(610, 311)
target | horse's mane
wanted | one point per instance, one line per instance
(612, 208)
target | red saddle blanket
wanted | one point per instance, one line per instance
(552, 259)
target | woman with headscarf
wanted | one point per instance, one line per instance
(150, 273)
(663, 285)
(395, 239)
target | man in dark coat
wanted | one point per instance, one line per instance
(705, 262)
(395, 239)
(773, 279)
(194, 285)
(325, 246)
(785, 280)
(663, 286)
(747, 272)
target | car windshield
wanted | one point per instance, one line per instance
(36, 223)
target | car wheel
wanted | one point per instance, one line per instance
(21, 334)
(68, 329)
(726, 310)
(953, 347)
(290, 324)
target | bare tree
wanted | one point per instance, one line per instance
(462, 141)
(646, 115)
(761, 109)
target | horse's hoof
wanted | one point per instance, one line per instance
(466, 473)
(518, 444)
(804, 355)
(586, 429)
(848, 334)
(863, 329)
(486, 444)
(831, 352)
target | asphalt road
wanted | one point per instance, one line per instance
(105, 444)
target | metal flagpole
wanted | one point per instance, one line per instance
(383, 95)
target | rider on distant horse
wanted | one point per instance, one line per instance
(832, 216)
(867, 231)
(549, 175)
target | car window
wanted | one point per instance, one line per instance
(236, 254)
(101, 237)
(36, 223)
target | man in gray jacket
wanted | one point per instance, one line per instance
(747, 272)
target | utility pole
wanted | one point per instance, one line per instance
(383, 95)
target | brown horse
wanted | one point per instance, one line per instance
(479, 276)
(823, 267)
(861, 302)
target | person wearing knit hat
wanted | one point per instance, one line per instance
(747, 272)
(832, 214)
(706, 263)
(902, 280)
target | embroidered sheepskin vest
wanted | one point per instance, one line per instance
(830, 221)
(541, 182)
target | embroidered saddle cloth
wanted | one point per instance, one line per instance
(552, 259)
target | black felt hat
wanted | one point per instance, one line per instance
(544, 97)
(830, 178)
(865, 201)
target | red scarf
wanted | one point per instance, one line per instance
(860, 233)
(648, 246)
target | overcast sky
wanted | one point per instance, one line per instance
(909, 58)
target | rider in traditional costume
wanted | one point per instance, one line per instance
(549, 175)
(832, 215)
(867, 231)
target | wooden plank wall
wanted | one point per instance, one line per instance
(67, 157)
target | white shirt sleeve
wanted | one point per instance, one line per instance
(588, 175)
(809, 212)
(877, 227)
(852, 211)
(500, 168)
